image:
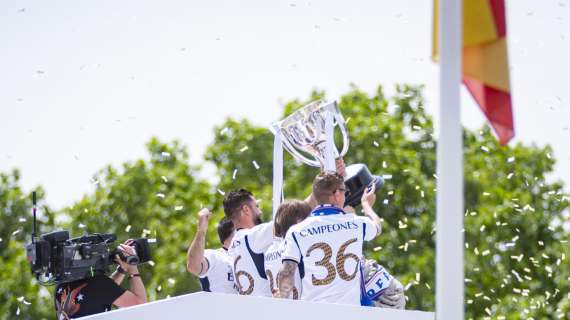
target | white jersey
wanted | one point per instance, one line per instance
(329, 246)
(273, 266)
(218, 277)
(246, 253)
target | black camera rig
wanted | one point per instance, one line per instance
(55, 258)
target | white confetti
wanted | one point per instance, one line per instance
(234, 174)
(128, 228)
(484, 148)
(376, 144)
(385, 201)
(22, 220)
(255, 165)
(16, 232)
(160, 195)
(387, 176)
(377, 249)
(81, 225)
(151, 240)
(384, 164)
(151, 263)
(178, 208)
(510, 175)
(221, 192)
(243, 149)
(171, 281)
(224, 130)
(165, 154)
(18, 311)
(511, 159)
(164, 178)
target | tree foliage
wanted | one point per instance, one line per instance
(516, 217)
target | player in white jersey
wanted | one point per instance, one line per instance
(212, 266)
(289, 213)
(329, 245)
(250, 241)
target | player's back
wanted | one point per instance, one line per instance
(273, 266)
(246, 254)
(329, 245)
(219, 276)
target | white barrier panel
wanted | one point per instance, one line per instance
(213, 306)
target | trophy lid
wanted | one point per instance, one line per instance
(358, 177)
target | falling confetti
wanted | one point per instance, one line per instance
(165, 154)
(178, 208)
(243, 149)
(234, 174)
(160, 195)
(255, 165)
(164, 179)
(376, 144)
(387, 176)
(128, 228)
(221, 192)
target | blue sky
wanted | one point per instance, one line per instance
(87, 83)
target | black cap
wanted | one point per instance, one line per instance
(358, 177)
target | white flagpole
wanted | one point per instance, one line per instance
(449, 217)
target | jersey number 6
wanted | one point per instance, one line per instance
(325, 262)
(249, 289)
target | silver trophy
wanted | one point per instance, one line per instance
(304, 136)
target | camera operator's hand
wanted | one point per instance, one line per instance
(128, 249)
(203, 217)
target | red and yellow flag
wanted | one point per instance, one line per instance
(485, 61)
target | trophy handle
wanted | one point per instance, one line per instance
(342, 125)
(294, 152)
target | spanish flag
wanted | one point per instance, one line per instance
(485, 61)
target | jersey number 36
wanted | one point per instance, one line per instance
(325, 262)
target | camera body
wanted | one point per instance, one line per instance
(55, 258)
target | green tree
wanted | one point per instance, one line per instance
(20, 295)
(516, 217)
(512, 209)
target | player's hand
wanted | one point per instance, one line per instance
(203, 217)
(393, 297)
(340, 167)
(369, 195)
(275, 293)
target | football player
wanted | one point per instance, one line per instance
(289, 213)
(328, 244)
(212, 266)
(251, 239)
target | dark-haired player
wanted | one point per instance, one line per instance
(213, 266)
(250, 241)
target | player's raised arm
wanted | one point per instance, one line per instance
(195, 262)
(367, 200)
